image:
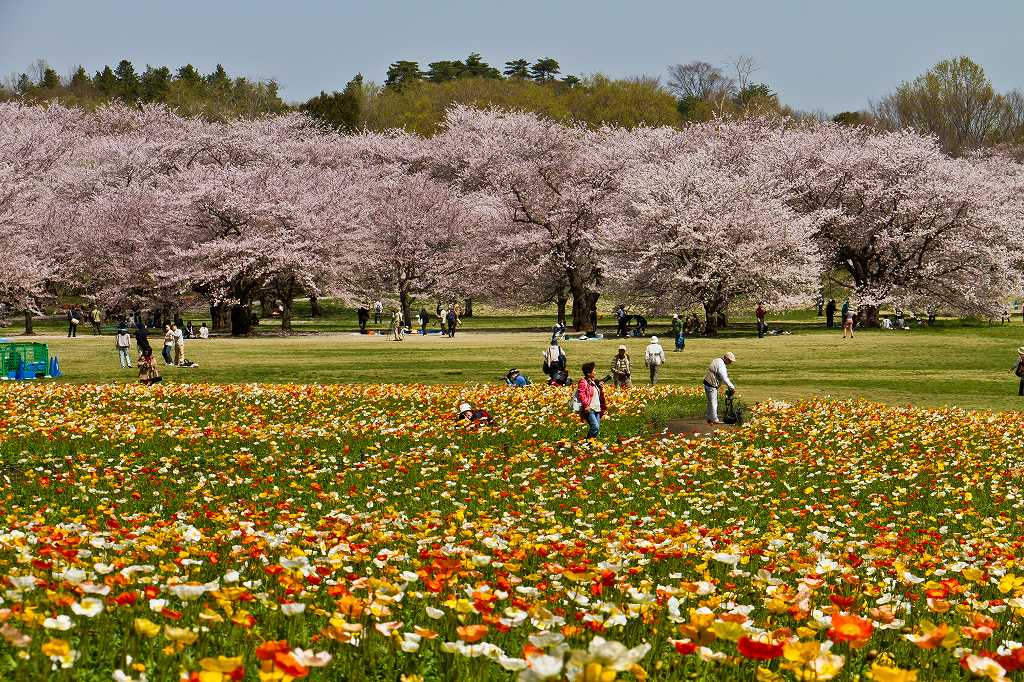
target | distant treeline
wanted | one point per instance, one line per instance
(954, 100)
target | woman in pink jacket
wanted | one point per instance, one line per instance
(591, 395)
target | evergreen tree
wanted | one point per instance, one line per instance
(127, 80)
(544, 70)
(517, 68)
(340, 110)
(156, 81)
(571, 81)
(475, 67)
(106, 82)
(80, 78)
(402, 73)
(189, 74)
(24, 85)
(218, 79)
(444, 71)
(50, 79)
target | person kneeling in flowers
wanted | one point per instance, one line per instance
(590, 393)
(467, 413)
(148, 373)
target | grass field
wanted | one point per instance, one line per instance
(952, 364)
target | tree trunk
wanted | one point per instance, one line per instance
(241, 319)
(711, 318)
(220, 317)
(266, 305)
(584, 304)
(405, 300)
(562, 301)
(467, 310)
(870, 313)
(28, 323)
(314, 306)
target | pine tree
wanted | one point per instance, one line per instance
(401, 73)
(106, 82)
(189, 74)
(517, 68)
(475, 67)
(50, 79)
(544, 70)
(80, 78)
(127, 81)
(24, 85)
(156, 81)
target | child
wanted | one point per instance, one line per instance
(148, 373)
(123, 342)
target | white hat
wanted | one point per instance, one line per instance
(464, 407)
(654, 339)
(622, 348)
(730, 357)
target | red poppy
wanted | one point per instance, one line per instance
(759, 651)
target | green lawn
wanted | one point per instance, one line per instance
(955, 364)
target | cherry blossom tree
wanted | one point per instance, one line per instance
(34, 143)
(553, 197)
(909, 223)
(697, 231)
(413, 236)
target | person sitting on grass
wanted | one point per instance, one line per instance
(560, 378)
(148, 373)
(204, 331)
(590, 393)
(468, 414)
(515, 378)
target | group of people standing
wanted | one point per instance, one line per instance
(448, 317)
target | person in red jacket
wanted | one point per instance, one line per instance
(591, 395)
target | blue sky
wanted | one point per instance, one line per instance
(824, 55)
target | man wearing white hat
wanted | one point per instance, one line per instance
(717, 375)
(654, 358)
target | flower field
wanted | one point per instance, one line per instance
(256, 532)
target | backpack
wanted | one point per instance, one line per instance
(575, 405)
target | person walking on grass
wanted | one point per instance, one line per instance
(179, 344)
(396, 326)
(97, 319)
(1019, 370)
(378, 311)
(830, 313)
(424, 319)
(73, 320)
(453, 321)
(717, 375)
(654, 358)
(168, 345)
(590, 394)
(678, 333)
(847, 319)
(760, 313)
(554, 359)
(123, 344)
(621, 369)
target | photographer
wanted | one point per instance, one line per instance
(590, 393)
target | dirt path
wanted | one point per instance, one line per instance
(693, 427)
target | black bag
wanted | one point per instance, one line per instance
(1019, 369)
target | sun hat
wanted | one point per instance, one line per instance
(730, 357)
(464, 407)
(654, 339)
(622, 348)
